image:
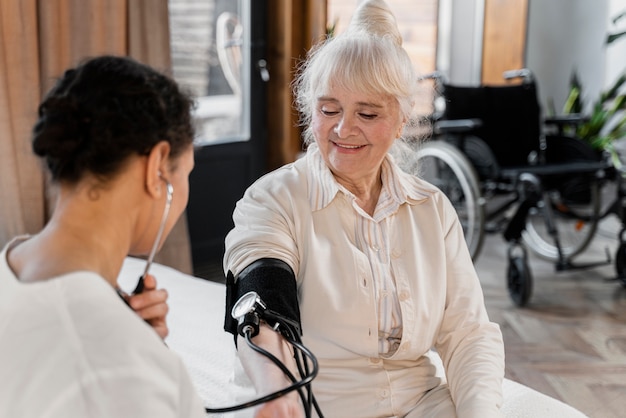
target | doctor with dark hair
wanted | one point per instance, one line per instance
(116, 138)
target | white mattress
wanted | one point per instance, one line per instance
(195, 321)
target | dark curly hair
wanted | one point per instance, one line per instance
(105, 110)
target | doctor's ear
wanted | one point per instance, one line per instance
(156, 168)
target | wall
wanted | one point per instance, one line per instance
(616, 52)
(566, 36)
(563, 36)
(459, 48)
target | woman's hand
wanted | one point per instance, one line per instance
(151, 305)
(283, 407)
(266, 377)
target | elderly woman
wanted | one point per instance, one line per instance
(371, 261)
(116, 137)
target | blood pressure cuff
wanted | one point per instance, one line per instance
(275, 283)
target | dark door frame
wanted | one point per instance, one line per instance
(223, 171)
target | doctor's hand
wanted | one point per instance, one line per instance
(151, 305)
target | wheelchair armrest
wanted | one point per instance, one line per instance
(457, 125)
(563, 120)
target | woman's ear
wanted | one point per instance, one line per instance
(157, 168)
(401, 129)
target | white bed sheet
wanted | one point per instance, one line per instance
(195, 321)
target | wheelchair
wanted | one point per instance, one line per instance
(507, 169)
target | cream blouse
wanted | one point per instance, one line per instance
(301, 215)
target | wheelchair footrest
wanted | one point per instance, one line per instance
(620, 279)
(565, 265)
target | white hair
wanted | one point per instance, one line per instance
(368, 57)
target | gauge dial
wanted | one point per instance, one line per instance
(245, 304)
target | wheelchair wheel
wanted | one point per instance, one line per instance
(620, 263)
(575, 202)
(575, 221)
(445, 166)
(519, 280)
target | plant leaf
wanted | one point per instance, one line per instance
(618, 17)
(572, 103)
(612, 37)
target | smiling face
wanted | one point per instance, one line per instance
(354, 131)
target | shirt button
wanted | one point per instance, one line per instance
(396, 253)
(375, 248)
(384, 393)
(404, 295)
(374, 360)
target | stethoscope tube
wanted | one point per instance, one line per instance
(155, 246)
(301, 354)
(297, 385)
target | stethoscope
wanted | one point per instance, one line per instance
(155, 246)
(249, 311)
(168, 203)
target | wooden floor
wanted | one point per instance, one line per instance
(569, 342)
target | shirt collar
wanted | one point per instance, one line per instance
(323, 187)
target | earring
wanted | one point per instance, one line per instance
(158, 186)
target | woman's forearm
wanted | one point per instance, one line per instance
(264, 374)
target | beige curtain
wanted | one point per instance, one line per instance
(40, 38)
(21, 181)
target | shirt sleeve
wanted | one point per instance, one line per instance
(264, 228)
(469, 344)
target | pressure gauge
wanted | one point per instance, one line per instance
(248, 303)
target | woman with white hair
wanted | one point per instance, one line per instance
(371, 261)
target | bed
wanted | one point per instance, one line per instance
(195, 322)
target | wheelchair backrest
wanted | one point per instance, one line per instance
(510, 115)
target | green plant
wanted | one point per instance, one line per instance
(606, 121)
(611, 37)
(331, 28)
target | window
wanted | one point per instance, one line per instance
(218, 52)
(209, 49)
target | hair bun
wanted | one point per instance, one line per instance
(61, 131)
(374, 17)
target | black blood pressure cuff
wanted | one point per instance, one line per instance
(275, 283)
